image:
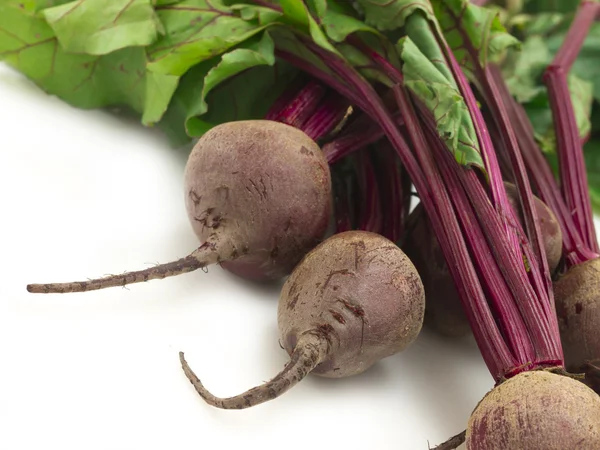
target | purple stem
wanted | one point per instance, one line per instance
(343, 215)
(303, 105)
(532, 312)
(392, 194)
(288, 95)
(501, 150)
(573, 173)
(331, 81)
(544, 330)
(497, 292)
(542, 282)
(434, 196)
(311, 108)
(370, 213)
(536, 314)
(578, 31)
(436, 201)
(498, 191)
(492, 345)
(541, 175)
(359, 134)
(327, 116)
(406, 191)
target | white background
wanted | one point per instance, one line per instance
(83, 194)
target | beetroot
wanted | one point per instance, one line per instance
(353, 300)
(536, 410)
(258, 196)
(577, 297)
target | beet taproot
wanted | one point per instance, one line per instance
(258, 196)
(353, 300)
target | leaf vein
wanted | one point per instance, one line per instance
(120, 13)
(66, 13)
(89, 77)
(182, 43)
(28, 46)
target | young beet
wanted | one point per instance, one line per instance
(353, 300)
(444, 312)
(577, 297)
(536, 410)
(258, 196)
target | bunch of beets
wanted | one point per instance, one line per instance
(387, 96)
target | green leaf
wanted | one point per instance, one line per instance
(486, 35)
(592, 162)
(540, 116)
(419, 30)
(288, 42)
(443, 100)
(159, 90)
(173, 122)
(538, 110)
(319, 7)
(28, 44)
(523, 72)
(541, 24)
(389, 15)
(343, 7)
(582, 97)
(38, 5)
(239, 98)
(425, 71)
(98, 27)
(257, 52)
(523, 69)
(458, 125)
(297, 13)
(559, 6)
(265, 16)
(196, 31)
(591, 153)
(22, 33)
(338, 26)
(363, 64)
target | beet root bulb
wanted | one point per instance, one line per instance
(577, 299)
(353, 300)
(536, 410)
(268, 193)
(258, 196)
